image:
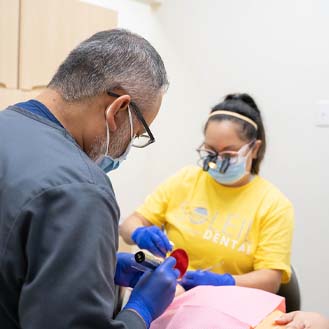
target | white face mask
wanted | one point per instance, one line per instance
(106, 162)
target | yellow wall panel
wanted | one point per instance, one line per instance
(9, 38)
(49, 30)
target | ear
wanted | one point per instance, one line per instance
(114, 109)
(255, 150)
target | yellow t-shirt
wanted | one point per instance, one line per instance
(224, 229)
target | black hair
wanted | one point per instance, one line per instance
(245, 105)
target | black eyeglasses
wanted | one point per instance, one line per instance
(142, 140)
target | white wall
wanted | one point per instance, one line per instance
(277, 50)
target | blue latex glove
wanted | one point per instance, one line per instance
(152, 239)
(154, 291)
(205, 278)
(125, 274)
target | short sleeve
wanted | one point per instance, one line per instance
(156, 204)
(275, 242)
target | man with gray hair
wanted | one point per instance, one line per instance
(58, 213)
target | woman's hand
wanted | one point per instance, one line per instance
(152, 239)
(198, 278)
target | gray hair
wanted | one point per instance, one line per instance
(112, 59)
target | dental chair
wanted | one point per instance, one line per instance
(291, 292)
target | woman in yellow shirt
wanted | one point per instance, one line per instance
(235, 225)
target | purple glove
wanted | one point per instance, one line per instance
(152, 239)
(154, 291)
(125, 274)
(205, 278)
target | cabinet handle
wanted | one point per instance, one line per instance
(39, 87)
(33, 88)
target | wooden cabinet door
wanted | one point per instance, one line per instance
(49, 30)
(9, 27)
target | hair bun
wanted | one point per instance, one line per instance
(245, 98)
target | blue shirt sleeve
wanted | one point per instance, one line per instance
(70, 249)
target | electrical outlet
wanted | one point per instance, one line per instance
(322, 113)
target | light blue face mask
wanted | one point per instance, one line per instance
(235, 171)
(106, 162)
(233, 174)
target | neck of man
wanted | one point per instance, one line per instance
(76, 117)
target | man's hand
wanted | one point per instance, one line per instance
(303, 320)
(125, 274)
(154, 291)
